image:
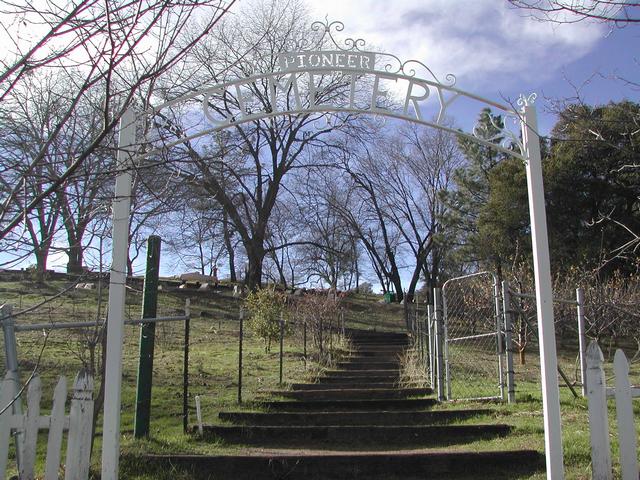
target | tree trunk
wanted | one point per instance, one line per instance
(230, 253)
(75, 254)
(41, 255)
(255, 254)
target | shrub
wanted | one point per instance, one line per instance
(266, 307)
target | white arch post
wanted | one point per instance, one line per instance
(117, 282)
(544, 294)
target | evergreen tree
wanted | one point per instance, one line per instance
(593, 177)
(471, 223)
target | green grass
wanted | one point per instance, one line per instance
(213, 373)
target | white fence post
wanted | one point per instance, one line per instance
(598, 420)
(80, 420)
(6, 396)
(56, 428)
(199, 415)
(34, 394)
(624, 412)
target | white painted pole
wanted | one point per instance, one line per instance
(582, 340)
(117, 280)
(544, 296)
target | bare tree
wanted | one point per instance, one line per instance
(255, 158)
(120, 47)
(195, 237)
(330, 252)
(615, 12)
(419, 165)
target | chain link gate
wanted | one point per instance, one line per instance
(473, 339)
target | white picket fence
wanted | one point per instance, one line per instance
(598, 417)
(25, 427)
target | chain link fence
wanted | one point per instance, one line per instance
(473, 364)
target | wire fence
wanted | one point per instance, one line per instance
(213, 347)
(614, 325)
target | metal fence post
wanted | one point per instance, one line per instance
(508, 329)
(240, 340)
(304, 339)
(11, 364)
(185, 367)
(439, 324)
(582, 340)
(142, 417)
(281, 345)
(499, 336)
(443, 333)
(432, 350)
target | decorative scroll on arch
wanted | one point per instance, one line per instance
(364, 79)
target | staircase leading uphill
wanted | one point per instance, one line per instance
(356, 423)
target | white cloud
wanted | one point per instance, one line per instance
(483, 42)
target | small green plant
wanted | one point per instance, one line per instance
(266, 307)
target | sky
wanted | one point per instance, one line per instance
(495, 50)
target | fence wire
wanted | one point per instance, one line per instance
(612, 325)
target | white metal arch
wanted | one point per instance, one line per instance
(446, 94)
(355, 62)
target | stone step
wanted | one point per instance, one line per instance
(346, 405)
(323, 465)
(376, 354)
(363, 373)
(358, 334)
(368, 365)
(336, 386)
(351, 418)
(352, 393)
(381, 343)
(358, 379)
(353, 437)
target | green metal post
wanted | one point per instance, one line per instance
(240, 339)
(185, 368)
(281, 345)
(147, 339)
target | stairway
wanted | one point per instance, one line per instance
(355, 423)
